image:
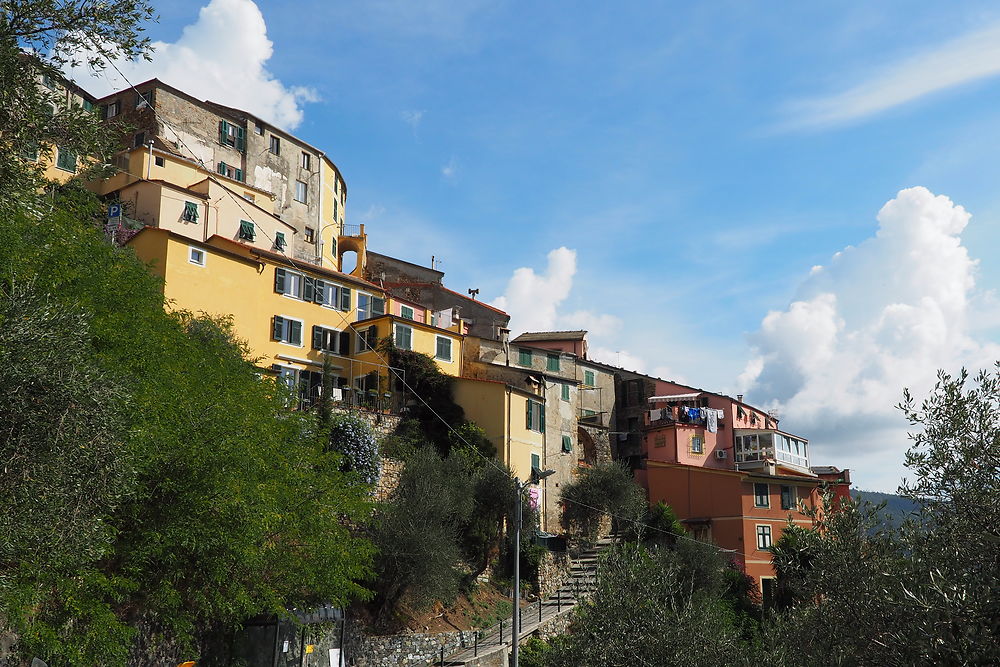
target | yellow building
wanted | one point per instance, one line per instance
(59, 163)
(514, 421)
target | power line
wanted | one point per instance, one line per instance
(347, 323)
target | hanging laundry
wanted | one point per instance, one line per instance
(712, 421)
(655, 415)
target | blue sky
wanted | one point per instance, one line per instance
(695, 160)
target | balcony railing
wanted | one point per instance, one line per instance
(351, 230)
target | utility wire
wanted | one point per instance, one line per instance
(212, 177)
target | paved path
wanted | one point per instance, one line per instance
(578, 587)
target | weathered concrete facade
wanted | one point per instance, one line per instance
(284, 174)
(425, 286)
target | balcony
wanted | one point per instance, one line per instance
(756, 448)
(353, 230)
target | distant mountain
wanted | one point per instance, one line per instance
(896, 509)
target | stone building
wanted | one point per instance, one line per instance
(293, 180)
(425, 286)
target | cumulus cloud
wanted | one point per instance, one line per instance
(220, 57)
(531, 299)
(880, 316)
(970, 57)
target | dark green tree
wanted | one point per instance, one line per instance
(607, 489)
(37, 38)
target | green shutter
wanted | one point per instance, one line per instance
(378, 306)
(223, 132)
(276, 327)
(588, 378)
(536, 463)
(222, 168)
(345, 342)
(246, 230)
(241, 140)
(345, 298)
(565, 392)
(279, 280)
(317, 337)
(190, 211)
(279, 240)
(239, 175)
(295, 332)
(527, 416)
(567, 443)
(308, 288)
(320, 291)
(552, 362)
(541, 418)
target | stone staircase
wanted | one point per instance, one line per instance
(577, 587)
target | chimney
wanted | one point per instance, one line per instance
(739, 397)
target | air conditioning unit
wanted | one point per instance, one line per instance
(721, 454)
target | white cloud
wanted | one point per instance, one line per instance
(532, 299)
(412, 117)
(220, 57)
(972, 56)
(879, 317)
(451, 169)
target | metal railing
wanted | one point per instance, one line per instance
(754, 453)
(350, 230)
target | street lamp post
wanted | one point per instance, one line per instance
(515, 621)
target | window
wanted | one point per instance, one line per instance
(536, 463)
(310, 235)
(370, 306)
(258, 128)
(287, 330)
(335, 210)
(331, 340)
(787, 497)
(552, 362)
(288, 282)
(367, 339)
(48, 82)
(406, 312)
(190, 213)
(524, 357)
(158, 161)
(697, 444)
(88, 105)
(301, 191)
(763, 537)
(565, 392)
(442, 349)
(403, 337)
(139, 141)
(232, 135)
(306, 160)
(275, 147)
(250, 197)
(567, 443)
(247, 232)
(66, 159)
(279, 240)
(761, 495)
(535, 416)
(196, 256)
(588, 378)
(230, 171)
(111, 109)
(143, 99)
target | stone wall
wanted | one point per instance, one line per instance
(405, 650)
(553, 572)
